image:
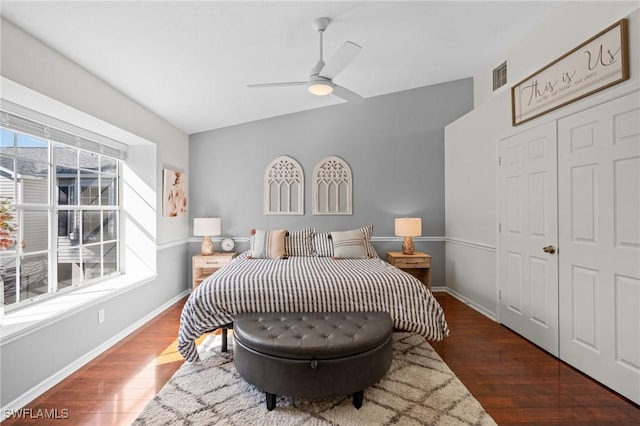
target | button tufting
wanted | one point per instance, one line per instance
(314, 335)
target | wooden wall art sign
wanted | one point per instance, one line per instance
(596, 64)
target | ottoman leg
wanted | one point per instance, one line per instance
(271, 400)
(224, 340)
(357, 399)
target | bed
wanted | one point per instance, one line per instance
(314, 283)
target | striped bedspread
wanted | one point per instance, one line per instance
(308, 284)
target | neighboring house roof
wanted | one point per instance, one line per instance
(37, 161)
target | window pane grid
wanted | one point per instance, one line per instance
(83, 187)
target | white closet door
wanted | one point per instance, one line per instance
(599, 221)
(528, 276)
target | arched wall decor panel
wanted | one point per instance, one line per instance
(284, 187)
(332, 187)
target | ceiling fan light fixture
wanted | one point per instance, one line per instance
(321, 88)
(321, 76)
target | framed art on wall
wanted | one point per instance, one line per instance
(174, 193)
(284, 187)
(332, 187)
(596, 64)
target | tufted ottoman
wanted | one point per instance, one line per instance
(313, 355)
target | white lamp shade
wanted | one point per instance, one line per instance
(408, 226)
(207, 226)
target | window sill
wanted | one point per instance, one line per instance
(29, 318)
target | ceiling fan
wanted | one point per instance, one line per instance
(321, 79)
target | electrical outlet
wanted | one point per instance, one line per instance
(100, 316)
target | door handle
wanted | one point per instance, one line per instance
(549, 249)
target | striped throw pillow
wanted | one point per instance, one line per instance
(322, 244)
(299, 243)
(368, 233)
(268, 244)
(349, 245)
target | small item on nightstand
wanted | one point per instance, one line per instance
(227, 244)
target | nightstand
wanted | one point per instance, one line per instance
(203, 266)
(417, 264)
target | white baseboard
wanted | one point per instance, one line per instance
(470, 303)
(50, 382)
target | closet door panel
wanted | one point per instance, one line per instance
(599, 242)
(528, 207)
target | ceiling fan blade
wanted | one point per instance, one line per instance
(343, 56)
(347, 94)
(288, 83)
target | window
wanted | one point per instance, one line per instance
(61, 210)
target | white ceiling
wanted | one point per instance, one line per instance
(190, 62)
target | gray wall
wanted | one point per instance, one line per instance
(394, 145)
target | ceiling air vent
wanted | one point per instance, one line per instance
(500, 76)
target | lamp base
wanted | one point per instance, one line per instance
(407, 246)
(206, 247)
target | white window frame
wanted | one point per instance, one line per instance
(52, 208)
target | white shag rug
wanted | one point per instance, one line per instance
(419, 389)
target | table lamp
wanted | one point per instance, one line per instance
(408, 227)
(205, 227)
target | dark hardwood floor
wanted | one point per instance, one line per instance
(514, 380)
(517, 382)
